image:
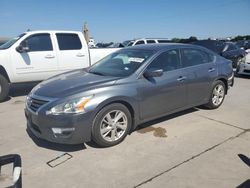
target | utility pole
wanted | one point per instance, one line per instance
(86, 32)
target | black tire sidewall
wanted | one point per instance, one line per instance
(211, 104)
(96, 135)
(4, 88)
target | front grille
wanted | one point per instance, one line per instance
(35, 104)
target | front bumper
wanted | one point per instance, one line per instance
(41, 126)
(244, 68)
(230, 80)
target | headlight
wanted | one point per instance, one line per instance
(73, 106)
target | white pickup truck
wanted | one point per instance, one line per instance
(38, 55)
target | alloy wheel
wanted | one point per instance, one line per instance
(113, 125)
(218, 94)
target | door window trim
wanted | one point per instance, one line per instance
(63, 33)
(140, 75)
(181, 57)
(39, 34)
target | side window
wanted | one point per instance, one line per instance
(68, 41)
(167, 61)
(140, 42)
(150, 41)
(38, 42)
(192, 57)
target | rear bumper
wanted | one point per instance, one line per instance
(78, 127)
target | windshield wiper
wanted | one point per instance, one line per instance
(97, 73)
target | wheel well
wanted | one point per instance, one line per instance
(4, 73)
(225, 82)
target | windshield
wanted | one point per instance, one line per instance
(121, 64)
(11, 42)
(127, 42)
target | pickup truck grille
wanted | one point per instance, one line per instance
(35, 104)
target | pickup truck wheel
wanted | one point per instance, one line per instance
(111, 125)
(217, 95)
(4, 88)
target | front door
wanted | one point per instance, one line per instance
(161, 95)
(39, 62)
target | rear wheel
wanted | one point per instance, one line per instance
(111, 125)
(4, 88)
(218, 95)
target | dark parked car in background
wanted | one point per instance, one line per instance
(244, 44)
(133, 85)
(229, 50)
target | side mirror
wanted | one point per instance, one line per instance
(153, 73)
(22, 48)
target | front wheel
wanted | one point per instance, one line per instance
(4, 88)
(111, 125)
(217, 96)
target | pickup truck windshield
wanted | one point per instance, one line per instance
(11, 42)
(121, 64)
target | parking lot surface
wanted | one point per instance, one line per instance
(194, 148)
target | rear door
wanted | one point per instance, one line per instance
(201, 71)
(160, 95)
(72, 53)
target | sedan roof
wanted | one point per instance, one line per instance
(162, 46)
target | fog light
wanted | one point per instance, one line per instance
(63, 130)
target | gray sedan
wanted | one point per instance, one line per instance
(133, 85)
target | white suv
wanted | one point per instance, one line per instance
(145, 41)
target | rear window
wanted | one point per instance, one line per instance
(68, 41)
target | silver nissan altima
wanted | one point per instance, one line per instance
(106, 101)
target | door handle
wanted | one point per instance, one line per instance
(80, 55)
(49, 56)
(211, 70)
(181, 78)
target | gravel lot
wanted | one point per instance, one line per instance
(194, 148)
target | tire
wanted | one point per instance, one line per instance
(215, 101)
(107, 130)
(4, 88)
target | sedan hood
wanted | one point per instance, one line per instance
(71, 83)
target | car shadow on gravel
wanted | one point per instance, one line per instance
(55, 146)
(165, 118)
(72, 148)
(245, 184)
(146, 127)
(242, 76)
(21, 89)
